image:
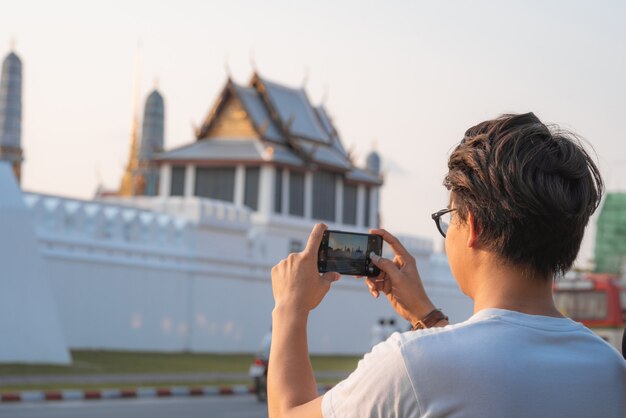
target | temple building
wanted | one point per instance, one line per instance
(11, 113)
(186, 245)
(266, 147)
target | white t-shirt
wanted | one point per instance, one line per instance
(498, 363)
(378, 334)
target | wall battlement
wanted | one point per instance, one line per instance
(203, 212)
(107, 222)
(188, 273)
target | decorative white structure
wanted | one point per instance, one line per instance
(145, 279)
(30, 330)
(189, 269)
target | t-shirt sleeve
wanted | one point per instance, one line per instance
(379, 387)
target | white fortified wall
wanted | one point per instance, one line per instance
(172, 274)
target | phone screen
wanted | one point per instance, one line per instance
(349, 253)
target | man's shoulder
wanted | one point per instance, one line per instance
(436, 335)
(490, 336)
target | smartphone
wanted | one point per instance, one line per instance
(349, 253)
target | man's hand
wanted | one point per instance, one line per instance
(296, 282)
(298, 288)
(400, 281)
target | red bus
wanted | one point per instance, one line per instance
(596, 300)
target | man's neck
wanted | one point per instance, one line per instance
(506, 287)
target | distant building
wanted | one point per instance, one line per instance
(266, 147)
(11, 113)
(180, 257)
(610, 248)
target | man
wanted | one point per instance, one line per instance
(521, 195)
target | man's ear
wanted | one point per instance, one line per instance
(474, 230)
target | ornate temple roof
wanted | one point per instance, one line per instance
(253, 103)
(268, 122)
(231, 150)
(295, 111)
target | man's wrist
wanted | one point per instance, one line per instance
(290, 311)
(434, 318)
(421, 311)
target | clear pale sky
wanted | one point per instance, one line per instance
(410, 76)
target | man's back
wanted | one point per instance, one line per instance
(499, 363)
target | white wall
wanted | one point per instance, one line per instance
(194, 276)
(30, 329)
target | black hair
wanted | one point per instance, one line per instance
(531, 189)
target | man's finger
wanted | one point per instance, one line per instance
(394, 243)
(386, 288)
(376, 283)
(371, 287)
(315, 239)
(387, 266)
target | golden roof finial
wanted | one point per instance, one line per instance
(127, 187)
(253, 60)
(324, 95)
(226, 66)
(305, 79)
(12, 43)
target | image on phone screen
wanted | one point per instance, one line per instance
(348, 253)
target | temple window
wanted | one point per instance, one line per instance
(177, 187)
(215, 183)
(296, 193)
(324, 185)
(278, 190)
(251, 188)
(368, 202)
(349, 204)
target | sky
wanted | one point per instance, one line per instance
(404, 77)
(353, 242)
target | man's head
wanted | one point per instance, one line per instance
(530, 190)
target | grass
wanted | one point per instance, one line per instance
(112, 362)
(91, 362)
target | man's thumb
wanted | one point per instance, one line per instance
(331, 276)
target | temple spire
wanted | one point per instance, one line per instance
(152, 141)
(129, 186)
(11, 112)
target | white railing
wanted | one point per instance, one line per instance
(202, 211)
(101, 221)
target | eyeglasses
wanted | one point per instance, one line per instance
(442, 219)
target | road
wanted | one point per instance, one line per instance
(346, 266)
(208, 407)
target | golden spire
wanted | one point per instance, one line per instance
(252, 61)
(226, 66)
(129, 180)
(305, 79)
